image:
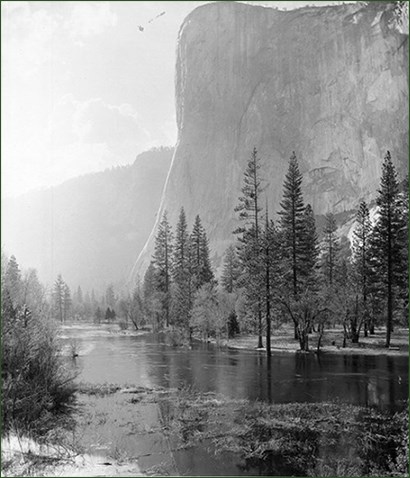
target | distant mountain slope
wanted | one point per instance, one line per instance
(90, 228)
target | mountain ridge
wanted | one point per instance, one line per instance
(89, 228)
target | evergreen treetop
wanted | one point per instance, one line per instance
(181, 255)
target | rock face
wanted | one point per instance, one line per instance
(88, 228)
(329, 83)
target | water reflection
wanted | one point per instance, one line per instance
(357, 379)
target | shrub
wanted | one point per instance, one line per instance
(36, 387)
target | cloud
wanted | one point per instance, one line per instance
(89, 19)
(96, 121)
(80, 137)
(70, 110)
(91, 135)
(29, 36)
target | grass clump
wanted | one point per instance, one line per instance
(100, 390)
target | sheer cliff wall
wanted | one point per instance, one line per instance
(329, 83)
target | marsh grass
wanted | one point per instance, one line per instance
(315, 439)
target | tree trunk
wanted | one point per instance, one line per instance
(371, 325)
(389, 287)
(344, 336)
(304, 340)
(355, 337)
(365, 330)
(354, 333)
(268, 348)
(321, 329)
(260, 343)
(295, 333)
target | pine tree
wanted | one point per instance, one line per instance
(58, 298)
(98, 315)
(8, 312)
(180, 267)
(201, 270)
(79, 295)
(361, 258)
(33, 293)
(231, 270)
(331, 249)
(163, 262)
(66, 302)
(93, 299)
(250, 250)
(150, 282)
(110, 296)
(13, 282)
(270, 260)
(151, 297)
(206, 273)
(292, 223)
(181, 273)
(389, 240)
(310, 248)
(88, 309)
(107, 314)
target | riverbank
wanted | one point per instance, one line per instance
(139, 431)
(23, 456)
(332, 342)
(282, 339)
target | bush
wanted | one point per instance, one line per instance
(35, 385)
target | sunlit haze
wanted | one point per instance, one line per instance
(86, 86)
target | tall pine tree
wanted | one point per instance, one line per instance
(150, 292)
(389, 244)
(13, 282)
(271, 259)
(250, 251)
(181, 273)
(361, 259)
(331, 249)
(58, 298)
(200, 263)
(163, 263)
(66, 302)
(310, 248)
(292, 223)
(231, 270)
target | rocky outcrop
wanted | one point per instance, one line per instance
(329, 83)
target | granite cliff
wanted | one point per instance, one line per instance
(329, 83)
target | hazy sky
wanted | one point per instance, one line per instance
(83, 88)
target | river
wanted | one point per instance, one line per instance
(145, 360)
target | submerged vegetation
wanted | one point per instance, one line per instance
(292, 439)
(308, 439)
